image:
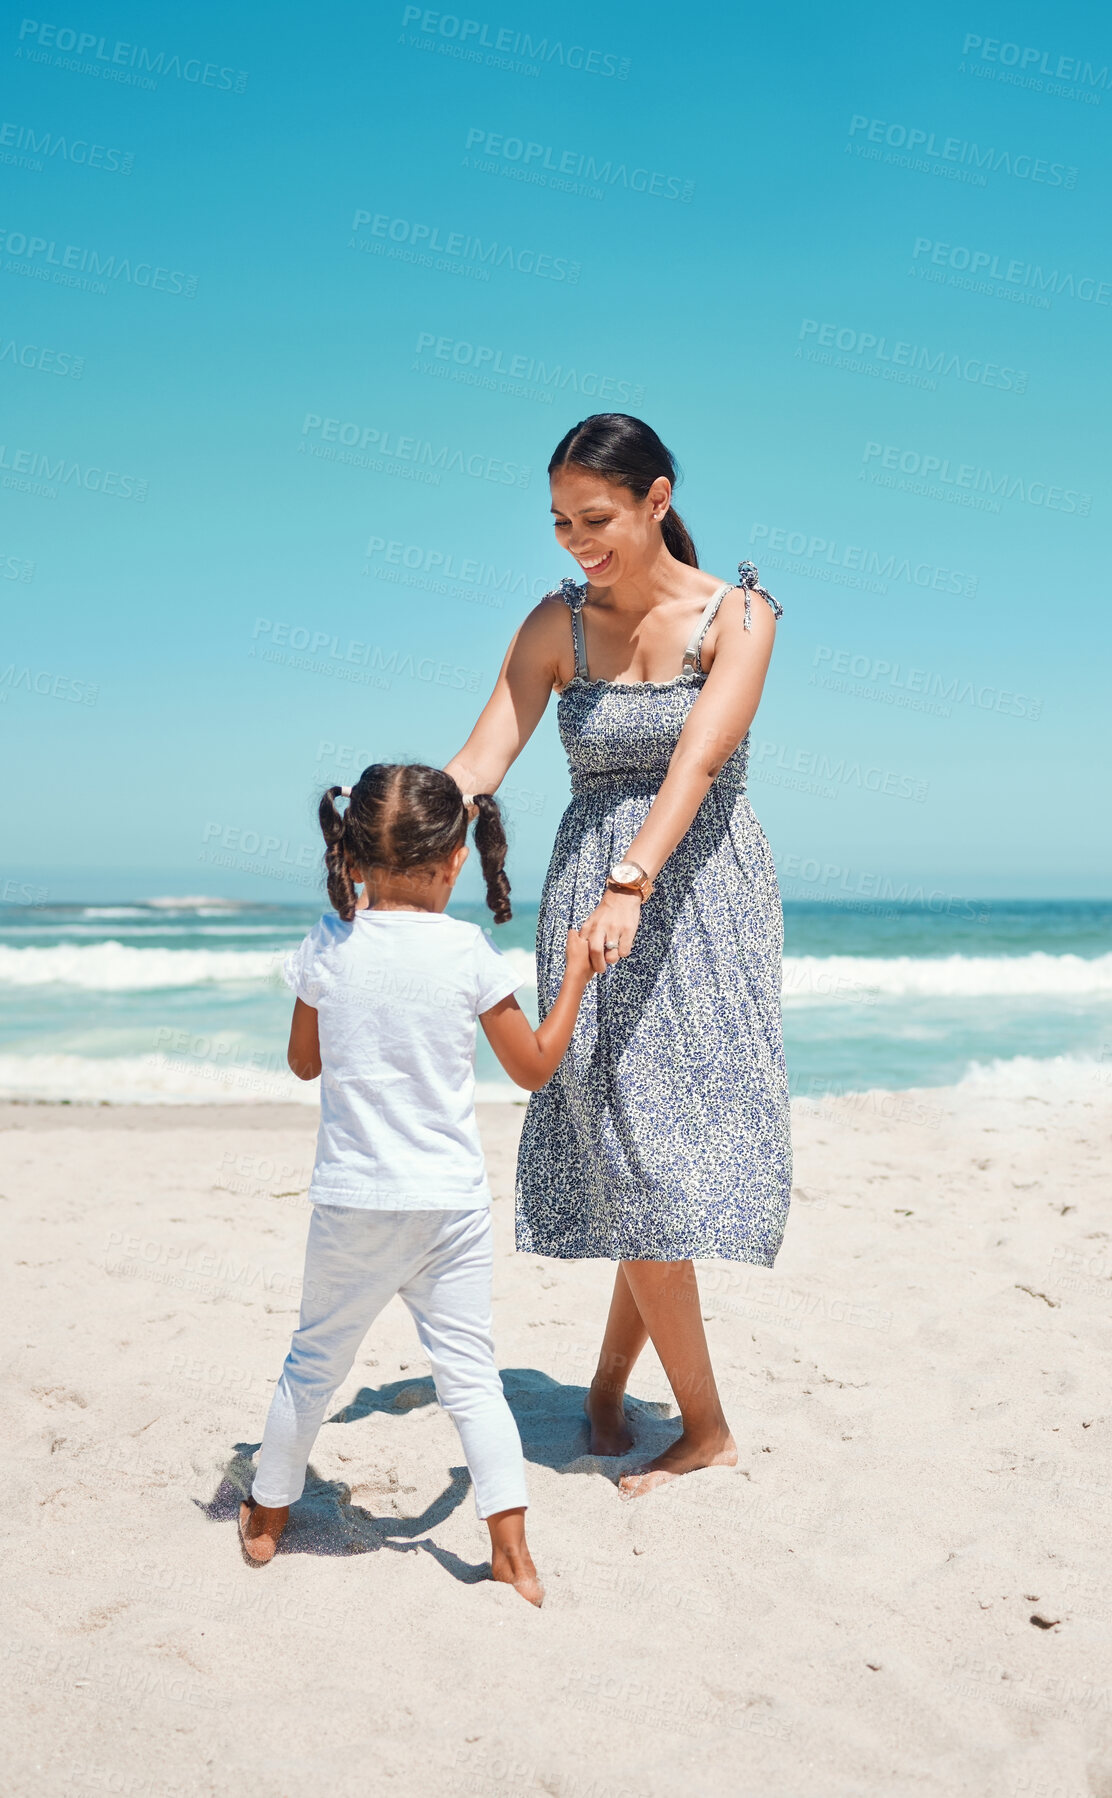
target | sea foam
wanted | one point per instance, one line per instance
(808, 979)
(819, 979)
(117, 967)
(166, 1080)
(146, 1080)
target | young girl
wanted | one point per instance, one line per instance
(388, 991)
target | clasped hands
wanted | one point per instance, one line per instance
(613, 922)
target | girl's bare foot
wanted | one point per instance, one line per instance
(259, 1529)
(518, 1572)
(511, 1564)
(686, 1455)
(610, 1433)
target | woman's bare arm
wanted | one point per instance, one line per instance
(529, 672)
(715, 726)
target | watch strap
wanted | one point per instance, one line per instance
(643, 887)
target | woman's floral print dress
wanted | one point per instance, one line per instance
(665, 1132)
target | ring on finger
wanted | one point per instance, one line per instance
(611, 945)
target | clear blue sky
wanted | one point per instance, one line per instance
(773, 255)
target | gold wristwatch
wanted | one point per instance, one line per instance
(628, 877)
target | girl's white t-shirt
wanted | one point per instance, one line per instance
(397, 995)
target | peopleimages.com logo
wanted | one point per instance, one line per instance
(847, 885)
(963, 259)
(355, 438)
(1025, 65)
(812, 554)
(815, 765)
(486, 361)
(421, 243)
(876, 677)
(971, 479)
(569, 170)
(15, 568)
(437, 568)
(38, 147)
(43, 360)
(961, 152)
(503, 46)
(132, 64)
(14, 679)
(74, 266)
(39, 468)
(323, 652)
(913, 357)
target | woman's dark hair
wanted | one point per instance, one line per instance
(628, 452)
(402, 816)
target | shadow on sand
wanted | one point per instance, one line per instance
(553, 1430)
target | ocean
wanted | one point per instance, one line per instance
(180, 1000)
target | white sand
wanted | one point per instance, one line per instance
(919, 1393)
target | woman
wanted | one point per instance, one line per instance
(664, 1134)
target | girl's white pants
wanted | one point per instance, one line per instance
(440, 1263)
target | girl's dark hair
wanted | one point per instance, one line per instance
(402, 815)
(629, 452)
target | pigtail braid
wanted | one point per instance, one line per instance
(490, 841)
(333, 824)
(405, 820)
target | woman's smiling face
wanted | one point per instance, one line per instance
(608, 530)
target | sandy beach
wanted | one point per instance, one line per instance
(904, 1587)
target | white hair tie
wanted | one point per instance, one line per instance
(345, 792)
(469, 799)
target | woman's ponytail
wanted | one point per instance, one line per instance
(333, 823)
(677, 538)
(490, 841)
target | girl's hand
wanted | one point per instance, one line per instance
(614, 920)
(577, 962)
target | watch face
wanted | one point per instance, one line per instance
(626, 873)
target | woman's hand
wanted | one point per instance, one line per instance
(614, 921)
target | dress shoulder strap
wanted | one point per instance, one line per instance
(748, 578)
(692, 655)
(573, 596)
(749, 581)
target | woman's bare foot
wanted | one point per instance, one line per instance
(610, 1433)
(684, 1456)
(259, 1529)
(511, 1564)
